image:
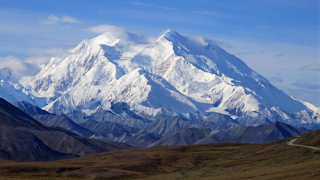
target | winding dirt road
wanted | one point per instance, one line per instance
(290, 143)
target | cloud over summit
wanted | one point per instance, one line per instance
(19, 67)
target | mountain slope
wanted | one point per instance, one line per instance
(184, 137)
(17, 142)
(254, 120)
(114, 132)
(48, 119)
(249, 134)
(21, 145)
(201, 69)
(107, 128)
(13, 117)
(124, 116)
(25, 139)
(163, 126)
(11, 90)
(259, 134)
(310, 139)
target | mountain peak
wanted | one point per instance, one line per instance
(171, 35)
(170, 31)
(108, 39)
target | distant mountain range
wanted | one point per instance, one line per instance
(167, 131)
(249, 134)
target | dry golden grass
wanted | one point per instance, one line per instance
(273, 160)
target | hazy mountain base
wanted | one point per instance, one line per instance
(108, 127)
(166, 131)
(49, 119)
(273, 160)
(249, 134)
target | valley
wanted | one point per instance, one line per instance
(274, 160)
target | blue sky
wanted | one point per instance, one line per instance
(278, 39)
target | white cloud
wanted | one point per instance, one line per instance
(31, 65)
(110, 31)
(120, 33)
(107, 28)
(54, 20)
(41, 56)
(51, 20)
(12, 63)
(69, 19)
(19, 67)
(37, 60)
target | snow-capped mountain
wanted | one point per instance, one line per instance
(200, 69)
(11, 90)
(171, 76)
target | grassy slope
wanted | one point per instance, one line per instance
(310, 139)
(273, 160)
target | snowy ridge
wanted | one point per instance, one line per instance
(203, 71)
(172, 76)
(11, 91)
